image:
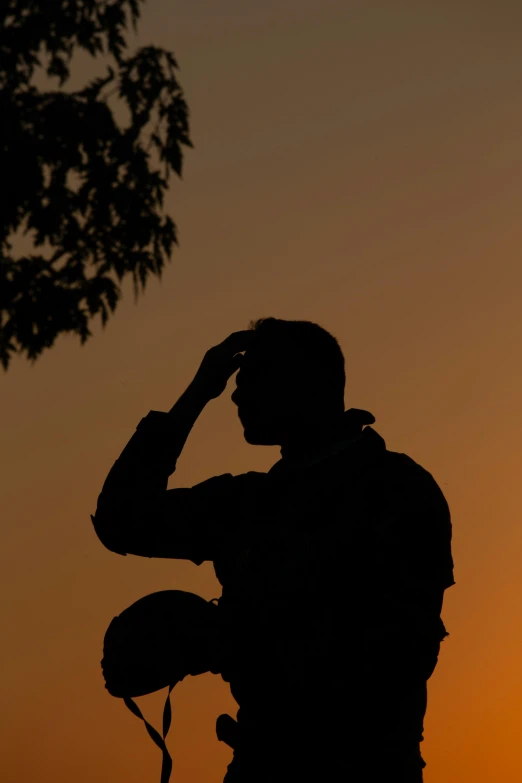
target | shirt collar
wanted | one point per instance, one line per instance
(354, 420)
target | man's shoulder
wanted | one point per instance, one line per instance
(394, 474)
(401, 482)
(398, 465)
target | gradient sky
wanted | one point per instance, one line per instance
(358, 164)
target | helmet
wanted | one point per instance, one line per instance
(155, 643)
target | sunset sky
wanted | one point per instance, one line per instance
(357, 164)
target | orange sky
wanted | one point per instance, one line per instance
(358, 164)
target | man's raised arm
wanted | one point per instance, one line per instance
(136, 514)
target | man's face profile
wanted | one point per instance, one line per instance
(263, 395)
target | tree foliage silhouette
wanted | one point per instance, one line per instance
(74, 179)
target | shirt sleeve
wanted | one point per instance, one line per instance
(414, 528)
(409, 563)
(136, 513)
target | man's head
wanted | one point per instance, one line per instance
(292, 376)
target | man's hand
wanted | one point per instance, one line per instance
(219, 363)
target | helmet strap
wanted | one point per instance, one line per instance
(166, 767)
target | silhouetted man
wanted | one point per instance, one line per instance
(333, 565)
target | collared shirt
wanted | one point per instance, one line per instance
(385, 511)
(339, 555)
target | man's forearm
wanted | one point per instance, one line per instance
(183, 415)
(155, 447)
(142, 470)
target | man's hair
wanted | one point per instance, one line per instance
(313, 349)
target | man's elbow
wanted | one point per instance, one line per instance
(107, 534)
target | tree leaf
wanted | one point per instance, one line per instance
(85, 189)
